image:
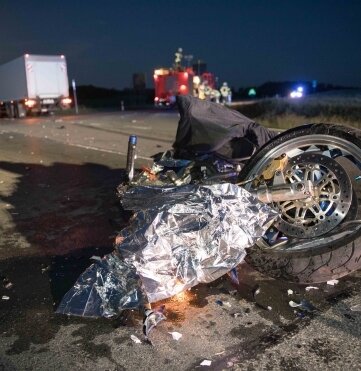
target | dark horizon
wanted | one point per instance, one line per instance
(244, 43)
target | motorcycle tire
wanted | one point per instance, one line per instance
(333, 254)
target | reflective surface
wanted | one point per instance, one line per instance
(179, 237)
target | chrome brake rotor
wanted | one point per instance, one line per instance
(326, 208)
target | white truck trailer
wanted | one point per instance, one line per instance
(33, 84)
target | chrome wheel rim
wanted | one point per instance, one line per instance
(313, 158)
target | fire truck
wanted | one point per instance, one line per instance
(168, 83)
(179, 80)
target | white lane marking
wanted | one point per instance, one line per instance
(107, 150)
(137, 127)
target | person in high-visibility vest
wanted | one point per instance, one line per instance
(204, 90)
(226, 93)
(215, 95)
(178, 58)
(207, 90)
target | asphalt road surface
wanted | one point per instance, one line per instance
(58, 207)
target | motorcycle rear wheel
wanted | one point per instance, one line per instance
(326, 243)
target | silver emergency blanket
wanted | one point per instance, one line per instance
(106, 288)
(179, 237)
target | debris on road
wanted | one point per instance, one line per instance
(175, 335)
(206, 362)
(152, 318)
(45, 269)
(293, 304)
(289, 292)
(256, 291)
(7, 284)
(233, 274)
(5, 297)
(332, 282)
(356, 308)
(309, 288)
(304, 305)
(135, 339)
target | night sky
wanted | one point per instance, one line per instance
(244, 42)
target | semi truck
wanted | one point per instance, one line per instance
(34, 84)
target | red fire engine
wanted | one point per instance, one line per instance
(170, 82)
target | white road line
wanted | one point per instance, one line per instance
(137, 127)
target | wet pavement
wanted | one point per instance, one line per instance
(58, 207)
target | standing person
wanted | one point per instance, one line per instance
(207, 90)
(226, 93)
(215, 95)
(202, 90)
(178, 59)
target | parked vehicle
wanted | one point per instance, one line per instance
(33, 84)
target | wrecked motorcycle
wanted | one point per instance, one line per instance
(309, 174)
(230, 189)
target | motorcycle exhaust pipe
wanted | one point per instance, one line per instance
(131, 155)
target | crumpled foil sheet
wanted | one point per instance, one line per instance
(179, 237)
(106, 288)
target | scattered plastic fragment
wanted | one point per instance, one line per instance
(206, 362)
(152, 318)
(356, 308)
(7, 284)
(309, 288)
(219, 302)
(220, 353)
(358, 177)
(332, 282)
(135, 339)
(43, 270)
(236, 315)
(290, 292)
(304, 305)
(175, 335)
(293, 304)
(227, 304)
(233, 274)
(4, 297)
(256, 291)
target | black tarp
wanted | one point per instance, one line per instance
(207, 127)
